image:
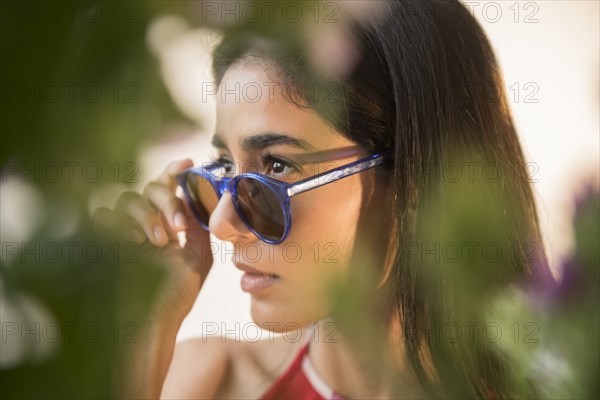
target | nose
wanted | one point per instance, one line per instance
(225, 223)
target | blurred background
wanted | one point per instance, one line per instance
(98, 97)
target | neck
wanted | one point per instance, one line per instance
(340, 367)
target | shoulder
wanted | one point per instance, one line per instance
(195, 370)
(227, 368)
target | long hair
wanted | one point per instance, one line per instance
(427, 87)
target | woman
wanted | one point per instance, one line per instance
(422, 100)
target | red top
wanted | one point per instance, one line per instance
(300, 381)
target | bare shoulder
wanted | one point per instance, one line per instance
(218, 367)
(196, 369)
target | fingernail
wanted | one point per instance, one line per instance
(179, 220)
(159, 234)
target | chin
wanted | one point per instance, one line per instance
(278, 319)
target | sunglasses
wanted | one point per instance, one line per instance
(262, 203)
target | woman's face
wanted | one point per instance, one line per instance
(325, 221)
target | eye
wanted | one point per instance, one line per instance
(226, 167)
(278, 166)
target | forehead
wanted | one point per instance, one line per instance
(252, 100)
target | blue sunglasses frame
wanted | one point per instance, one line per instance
(283, 191)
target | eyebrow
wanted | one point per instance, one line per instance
(264, 140)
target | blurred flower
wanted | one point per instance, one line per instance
(563, 361)
(21, 209)
(185, 57)
(24, 321)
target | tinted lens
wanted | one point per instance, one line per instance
(204, 199)
(259, 205)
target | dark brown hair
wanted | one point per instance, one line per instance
(427, 86)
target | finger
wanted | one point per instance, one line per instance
(110, 221)
(164, 199)
(145, 215)
(167, 177)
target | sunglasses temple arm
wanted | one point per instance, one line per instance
(332, 176)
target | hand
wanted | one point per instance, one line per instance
(152, 219)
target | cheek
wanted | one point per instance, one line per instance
(330, 212)
(317, 251)
(324, 226)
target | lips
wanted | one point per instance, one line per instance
(251, 270)
(255, 280)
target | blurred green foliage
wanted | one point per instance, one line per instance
(80, 88)
(78, 85)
